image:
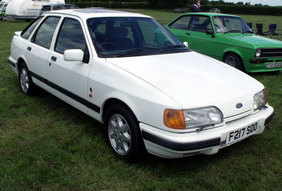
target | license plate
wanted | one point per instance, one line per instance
(274, 65)
(240, 134)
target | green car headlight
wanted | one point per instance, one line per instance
(258, 53)
(260, 99)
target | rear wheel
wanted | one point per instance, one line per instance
(25, 81)
(234, 61)
(122, 133)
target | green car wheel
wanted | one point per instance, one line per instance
(234, 61)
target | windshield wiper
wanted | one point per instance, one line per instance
(232, 31)
(174, 47)
(248, 32)
(137, 51)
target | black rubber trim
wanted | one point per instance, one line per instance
(67, 93)
(269, 119)
(12, 63)
(180, 146)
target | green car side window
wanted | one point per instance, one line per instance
(200, 24)
(181, 23)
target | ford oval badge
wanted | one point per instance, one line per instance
(239, 105)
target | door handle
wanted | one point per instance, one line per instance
(188, 33)
(28, 48)
(53, 58)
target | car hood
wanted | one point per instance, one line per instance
(194, 80)
(257, 41)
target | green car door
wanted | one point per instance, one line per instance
(197, 31)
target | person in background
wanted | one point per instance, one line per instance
(196, 6)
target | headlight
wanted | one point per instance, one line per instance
(260, 99)
(258, 52)
(192, 118)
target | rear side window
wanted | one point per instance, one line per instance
(181, 23)
(200, 24)
(28, 30)
(43, 36)
(70, 36)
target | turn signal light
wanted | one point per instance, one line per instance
(174, 119)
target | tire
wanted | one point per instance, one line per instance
(234, 60)
(122, 133)
(25, 82)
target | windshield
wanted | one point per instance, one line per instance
(229, 24)
(131, 36)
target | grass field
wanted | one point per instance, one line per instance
(46, 144)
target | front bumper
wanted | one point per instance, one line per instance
(14, 64)
(264, 65)
(176, 145)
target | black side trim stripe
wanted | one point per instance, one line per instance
(12, 63)
(180, 146)
(67, 93)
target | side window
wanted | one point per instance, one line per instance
(181, 23)
(43, 36)
(70, 36)
(200, 24)
(28, 30)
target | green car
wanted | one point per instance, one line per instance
(229, 39)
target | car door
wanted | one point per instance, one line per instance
(201, 35)
(69, 79)
(38, 49)
(179, 28)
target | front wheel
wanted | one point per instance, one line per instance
(234, 61)
(122, 133)
(25, 81)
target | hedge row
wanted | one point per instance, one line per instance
(245, 9)
(114, 4)
(171, 4)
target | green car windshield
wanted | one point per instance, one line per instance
(229, 24)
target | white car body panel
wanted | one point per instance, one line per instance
(194, 83)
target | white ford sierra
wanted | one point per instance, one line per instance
(148, 89)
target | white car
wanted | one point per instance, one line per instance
(148, 89)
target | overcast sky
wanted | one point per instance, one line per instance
(264, 2)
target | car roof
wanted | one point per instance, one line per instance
(95, 12)
(210, 14)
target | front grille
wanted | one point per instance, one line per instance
(277, 52)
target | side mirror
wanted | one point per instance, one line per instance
(186, 44)
(210, 32)
(73, 55)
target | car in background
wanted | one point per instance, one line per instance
(52, 7)
(3, 6)
(229, 39)
(149, 90)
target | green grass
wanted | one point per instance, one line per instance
(46, 144)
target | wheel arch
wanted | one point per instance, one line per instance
(115, 101)
(21, 61)
(232, 52)
(238, 54)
